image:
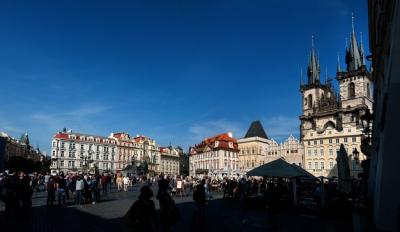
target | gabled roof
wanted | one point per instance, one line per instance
(256, 130)
(221, 141)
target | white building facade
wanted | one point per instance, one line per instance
(76, 152)
(291, 150)
(215, 155)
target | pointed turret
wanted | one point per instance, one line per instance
(313, 69)
(353, 53)
(338, 68)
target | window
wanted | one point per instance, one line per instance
(62, 153)
(322, 152)
(321, 141)
(368, 91)
(315, 142)
(316, 165)
(62, 163)
(54, 153)
(322, 165)
(82, 146)
(354, 139)
(331, 164)
(309, 165)
(330, 152)
(345, 139)
(310, 101)
(337, 140)
(309, 152)
(352, 92)
(62, 144)
(330, 141)
(309, 143)
(315, 152)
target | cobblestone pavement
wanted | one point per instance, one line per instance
(107, 215)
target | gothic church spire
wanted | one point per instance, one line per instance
(313, 69)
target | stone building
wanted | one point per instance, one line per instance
(136, 151)
(216, 155)
(331, 119)
(169, 162)
(291, 150)
(148, 151)
(253, 147)
(11, 147)
(384, 37)
(77, 152)
(125, 149)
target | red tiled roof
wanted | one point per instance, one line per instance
(223, 143)
(61, 136)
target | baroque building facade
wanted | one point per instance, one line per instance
(170, 160)
(291, 150)
(215, 155)
(136, 150)
(73, 152)
(331, 119)
(253, 147)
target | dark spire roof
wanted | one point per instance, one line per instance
(313, 66)
(256, 130)
(354, 52)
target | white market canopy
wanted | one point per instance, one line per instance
(279, 168)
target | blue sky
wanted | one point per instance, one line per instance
(177, 71)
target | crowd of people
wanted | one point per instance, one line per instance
(16, 190)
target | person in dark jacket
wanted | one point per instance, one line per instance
(169, 213)
(199, 197)
(142, 215)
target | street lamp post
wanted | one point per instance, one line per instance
(366, 141)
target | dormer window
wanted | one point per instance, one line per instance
(230, 145)
(216, 144)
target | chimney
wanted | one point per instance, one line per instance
(230, 134)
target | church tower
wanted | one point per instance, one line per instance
(330, 120)
(317, 97)
(355, 82)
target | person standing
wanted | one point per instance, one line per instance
(61, 184)
(120, 183)
(80, 186)
(126, 183)
(199, 197)
(51, 191)
(142, 214)
(169, 213)
(104, 182)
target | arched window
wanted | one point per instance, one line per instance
(352, 92)
(310, 102)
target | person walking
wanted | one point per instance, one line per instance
(80, 186)
(142, 215)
